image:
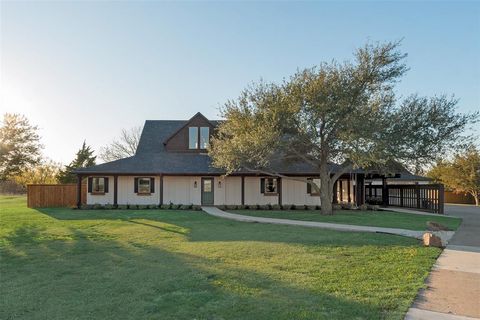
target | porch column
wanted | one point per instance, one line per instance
(441, 198)
(79, 191)
(335, 187)
(161, 189)
(348, 188)
(115, 191)
(360, 187)
(384, 192)
(243, 190)
(279, 186)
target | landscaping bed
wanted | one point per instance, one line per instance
(170, 264)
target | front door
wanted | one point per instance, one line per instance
(207, 191)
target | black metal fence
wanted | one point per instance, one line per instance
(426, 197)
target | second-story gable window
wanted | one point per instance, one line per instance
(204, 137)
(193, 137)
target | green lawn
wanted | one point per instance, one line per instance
(153, 264)
(388, 219)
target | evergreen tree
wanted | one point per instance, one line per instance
(19, 145)
(84, 158)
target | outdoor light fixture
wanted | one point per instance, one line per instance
(195, 184)
(219, 184)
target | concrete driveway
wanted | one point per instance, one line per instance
(453, 286)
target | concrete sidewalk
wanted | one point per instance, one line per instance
(453, 286)
(444, 235)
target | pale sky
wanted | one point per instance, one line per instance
(84, 70)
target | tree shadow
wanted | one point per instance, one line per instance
(198, 226)
(85, 278)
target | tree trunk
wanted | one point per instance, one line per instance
(476, 196)
(326, 190)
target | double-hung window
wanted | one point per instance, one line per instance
(98, 185)
(144, 185)
(311, 189)
(268, 186)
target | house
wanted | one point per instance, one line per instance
(171, 165)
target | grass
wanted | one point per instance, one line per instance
(387, 219)
(153, 264)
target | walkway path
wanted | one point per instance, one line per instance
(445, 235)
(453, 287)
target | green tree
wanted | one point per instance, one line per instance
(84, 158)
(462, 174)
(45, 172)
(20, 146)
(344, 113)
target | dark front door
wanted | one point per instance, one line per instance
(207, 191)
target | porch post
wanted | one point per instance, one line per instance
(348, 188)
(243, 190)
(79, 191)
(360, 187)
(279, 186)
(384, 192)
(161, 189)
(335, 186)
(115, 191)
(441, 198)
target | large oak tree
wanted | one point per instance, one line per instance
(346, 113)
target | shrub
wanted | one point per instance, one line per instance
(196, 207)
(121, 207)
(109, 206)
(276, 207)
(222, 207)
(336, 206)
(232, 207)
(246, 207)
(97, 206)
(86, 207)
(363, 207)
(186, 207)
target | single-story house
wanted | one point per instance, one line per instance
(171, 165)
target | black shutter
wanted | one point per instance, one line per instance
(90, 184)
(106, 184)
(135, 188)
(309, 186)
(152, 185)
(262, 185)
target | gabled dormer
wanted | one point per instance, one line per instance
(194, 136)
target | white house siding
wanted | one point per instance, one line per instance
(295, 192)
(127, 195)
(181, 190)
(253, 195)
(102, 199)
(228, 190)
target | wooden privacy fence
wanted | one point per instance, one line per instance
(54, 195)
(462, 198)
(426, 197)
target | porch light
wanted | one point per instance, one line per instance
(219, 184)
(195, 184)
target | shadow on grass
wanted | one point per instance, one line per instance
(87, 278)
(202, 227)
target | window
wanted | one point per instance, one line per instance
(193, 137)
(144, 185)
(270, 185)
(204, 136)
(310, 189)
(98, 185)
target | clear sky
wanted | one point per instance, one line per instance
(84, 70)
